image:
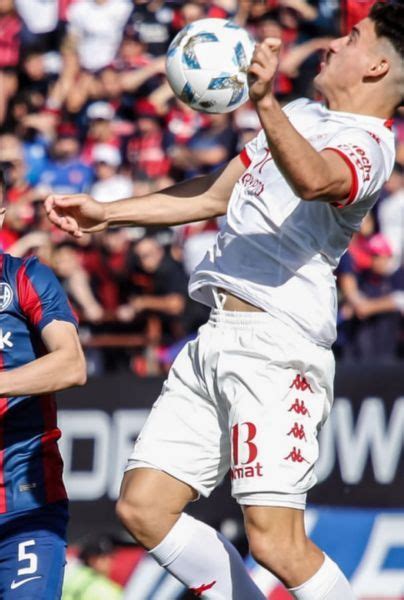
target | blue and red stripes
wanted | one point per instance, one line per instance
(30, 301)
(3, 495)
(51, 459)
(3, 411)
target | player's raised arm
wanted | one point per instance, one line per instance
(193, 200)
(311, 174)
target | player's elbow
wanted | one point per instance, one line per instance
(81, 372)
(312, 190)
(75, 370)
(319, 189)
(81, 375)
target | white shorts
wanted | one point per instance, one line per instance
(248, 395)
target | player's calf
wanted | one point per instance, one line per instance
(278, 542)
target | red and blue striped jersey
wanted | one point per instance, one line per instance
(30, 463)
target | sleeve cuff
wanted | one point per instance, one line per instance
(355, 183)
(245, 159)
(57, 317)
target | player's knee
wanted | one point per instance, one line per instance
(141, 516)
(280, 554)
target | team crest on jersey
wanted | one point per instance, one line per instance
(6, 296)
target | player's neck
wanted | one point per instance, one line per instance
(360, 102)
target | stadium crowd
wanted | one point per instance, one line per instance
(85, 107)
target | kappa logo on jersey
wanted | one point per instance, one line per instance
(300, 383)
(296, 456)
(299, 408)
(5, 341)
(298, 432)
(246, 469)
(6, 296)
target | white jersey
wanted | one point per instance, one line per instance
(277, 251)
(98, 29)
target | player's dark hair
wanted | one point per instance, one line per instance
(388, 18)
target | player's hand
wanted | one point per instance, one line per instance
(76, 214)
(263, 67)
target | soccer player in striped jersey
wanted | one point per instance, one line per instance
(40, 353)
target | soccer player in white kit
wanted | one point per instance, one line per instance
(251, 393)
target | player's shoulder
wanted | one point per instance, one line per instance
(10, 265)
(305, 113)
(21, 273)
(30, 269)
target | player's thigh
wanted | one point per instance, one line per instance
(186, 434)
(32, 565)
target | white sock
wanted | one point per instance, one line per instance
(204, 561)
(329, 583)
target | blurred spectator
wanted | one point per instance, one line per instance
(12, 164)
(210, 147)
(159, 284)
(132, 52)
(65, 172)
(41, 26)
(370, 326)
(37, 75)
(109, 185)
(95, 31)
(10, 31)
(145, 151)
(100, 131)
(391, 216)
(67, 265)
(107, 266)
(88, 577)
(151, 19)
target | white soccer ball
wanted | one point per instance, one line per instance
(207, 65)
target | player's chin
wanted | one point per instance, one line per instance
(319, 82)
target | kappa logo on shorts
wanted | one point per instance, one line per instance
(298, 432)
(246, 469)
(296, 456)
(299, 408)
(300, 383)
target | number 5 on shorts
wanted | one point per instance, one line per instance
(27, 556)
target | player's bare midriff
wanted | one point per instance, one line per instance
(234, 303)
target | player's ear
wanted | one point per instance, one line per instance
(378, 68)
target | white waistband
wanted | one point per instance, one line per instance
(233, 318)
